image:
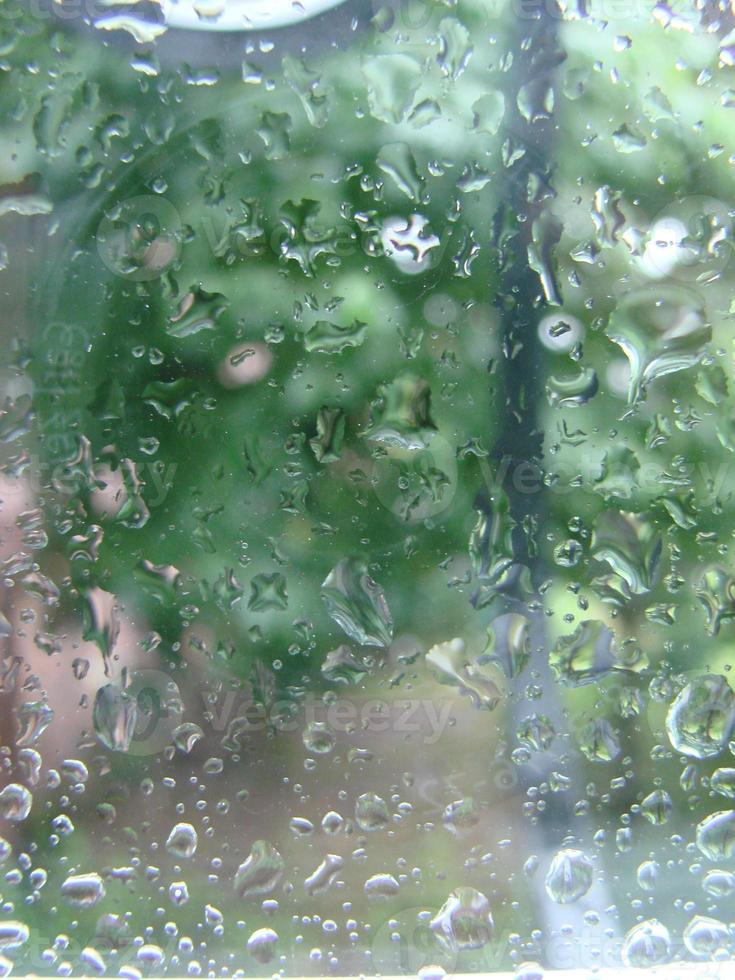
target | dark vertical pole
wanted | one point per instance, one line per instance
(525, 231)
(525, 235)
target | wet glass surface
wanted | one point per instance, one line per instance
(366, 448)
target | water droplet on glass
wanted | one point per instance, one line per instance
(464, 921)
(15, 802)
(83, 890)
(323, 877)
(660, 332)
(569, 877)
(115, 716)
(716, 835)
(260, 872)
(262, 944)
(382, 885)
(371, 812)
(357, 604)
(318, 738)
(182, 841)
(647, 944)
(700, 721)
(13, 934)
(707, 938)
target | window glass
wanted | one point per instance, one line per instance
(366, 447)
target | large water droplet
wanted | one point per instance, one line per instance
(182, 841)
(657, 807)
(34, 717)
(647, 944)
(454, 47)
(716, 835)
(707, 938)
(15, 802)
(660, 333)
(342, 666)
(716, 591)
(631, 545)
(598, 741)
(13, 934)
(719, 883)
(572, 391)
(320, 879)
(722, 782)
(381, 885)
(569, 877)
(371, 812)
(115, 716)
(392, 82)
(451, 664)
(464, 921)
(260, 872)
(262, 944)
(701, 719)
(318, 737)
(83, 890)
(508, 643)
(357, 603)
(584, 656)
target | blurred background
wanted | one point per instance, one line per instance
(367, 510)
